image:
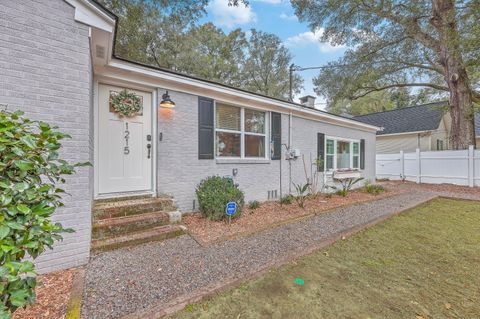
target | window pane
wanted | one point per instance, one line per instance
(355, 161)
(329, 162)
(227, 117)
(356, 148)
(254, 146)
(254, 121)
(343, 154)
(330, 149)
(228, 144)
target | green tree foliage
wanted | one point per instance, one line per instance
(30, 170)
(215, 55)
(381, 101)
(431, 44)
(266, 68)
(166, 34)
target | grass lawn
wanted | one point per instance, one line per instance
(424, 263)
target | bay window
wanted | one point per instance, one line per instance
(342, 154)
(239, 132)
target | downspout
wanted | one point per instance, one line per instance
(290, 148)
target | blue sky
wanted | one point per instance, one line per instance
(277, 17)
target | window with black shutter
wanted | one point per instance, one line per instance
(277, 135)
(205, 128)
(321, 151)
(362, 154)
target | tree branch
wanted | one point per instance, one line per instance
(416, 65)
(410, 24)
(398, 85)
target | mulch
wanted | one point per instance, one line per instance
(270, 214)
(53, 293)
(438, 188)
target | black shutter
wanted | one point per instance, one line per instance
(277, 136)
(205, 128)
(362, 154)
(321, 151)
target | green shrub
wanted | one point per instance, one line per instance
(30, 170)
(346, 186)
(254, 204)
(374, 189)
(214, 193)
(287, 200)
(328, 195)
(302, 193)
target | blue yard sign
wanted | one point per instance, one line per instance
(231, 208)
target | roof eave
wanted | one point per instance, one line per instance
(130, 66)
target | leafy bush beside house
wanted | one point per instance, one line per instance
(254, 204)
(214, 193)
(373, 189)
(287, 199)
(30, 170)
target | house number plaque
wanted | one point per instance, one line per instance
(126, 149)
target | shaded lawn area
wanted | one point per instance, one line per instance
(424, 263)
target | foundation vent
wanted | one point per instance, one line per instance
(100, 51)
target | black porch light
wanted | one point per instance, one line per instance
(167, 101)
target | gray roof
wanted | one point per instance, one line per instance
(425, 117)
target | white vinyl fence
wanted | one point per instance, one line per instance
(453, 167)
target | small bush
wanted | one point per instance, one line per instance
(374, 189)
(328, 195)
(346, 186)
(287, 200)
(302, 194)
(254, 204)
(214, 193)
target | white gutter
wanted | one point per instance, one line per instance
(405, 133)
(89, 14)
(146, 71)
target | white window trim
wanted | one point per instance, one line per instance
(341, 139)
(242, 133)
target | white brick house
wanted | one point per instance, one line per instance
(57, 63)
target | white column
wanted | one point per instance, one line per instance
(471, 172)
(419, 166)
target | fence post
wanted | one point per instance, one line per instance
(419, 166)
(471, 173)
(402, 165)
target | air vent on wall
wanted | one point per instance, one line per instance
(100, 51)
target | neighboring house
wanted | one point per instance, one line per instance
(426, 127)
(58, 65)
(477, 128)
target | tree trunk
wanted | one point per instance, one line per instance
(460, 102)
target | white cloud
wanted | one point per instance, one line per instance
(230, 16)
(270, 1)
(307, 38)
(285, 16)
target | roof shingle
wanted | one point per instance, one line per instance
(425, 117)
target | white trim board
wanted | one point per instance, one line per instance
(130, 72)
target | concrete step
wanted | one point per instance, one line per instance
(136, 238)
(118, 226)
(106, 209)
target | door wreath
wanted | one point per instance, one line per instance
(126, 103)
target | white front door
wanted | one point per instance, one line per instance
(125, 145)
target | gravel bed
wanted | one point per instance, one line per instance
(128, 280)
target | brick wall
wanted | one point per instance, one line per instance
(180, 170)
(45, 70)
